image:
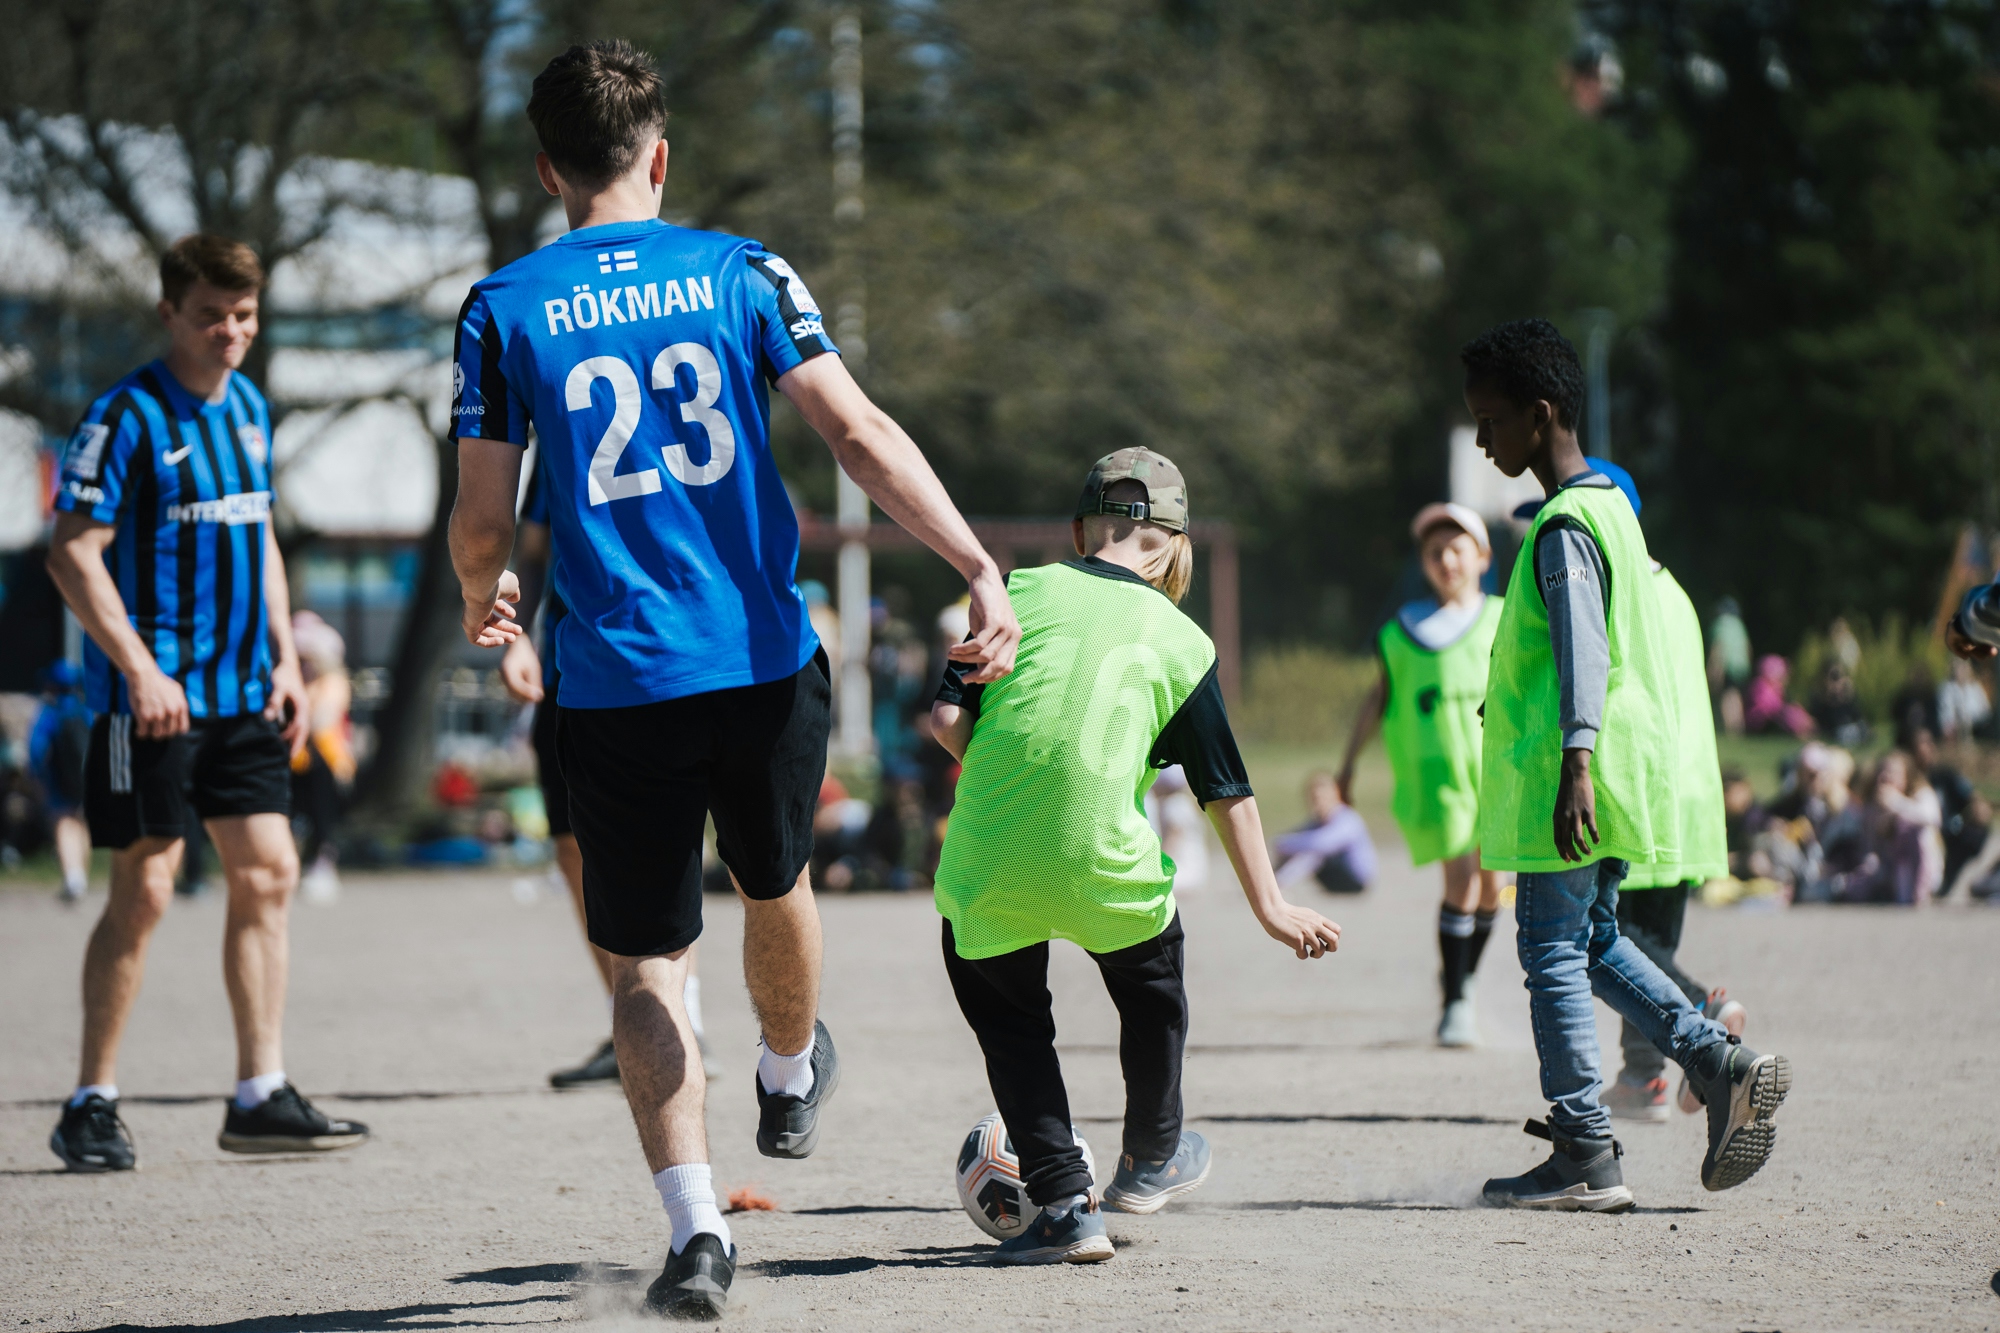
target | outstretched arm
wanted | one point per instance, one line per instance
(1302, 930)
(1366, 723)
(886, 463)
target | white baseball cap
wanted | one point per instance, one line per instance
(1445, 511)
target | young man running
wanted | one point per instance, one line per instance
(1434, 658)
(531, 677)
(163, 550)
(1582, 729)
(692, 682)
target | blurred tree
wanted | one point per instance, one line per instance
(1835, 287)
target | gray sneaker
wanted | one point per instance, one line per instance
(1741, 1098)
(1581, 1176)
(1145, 1187)
(1072, 1237)
(788, 1126)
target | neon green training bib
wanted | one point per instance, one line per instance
(1635, 769)
(1431, 730)
(1704, 833)
(1048, 838)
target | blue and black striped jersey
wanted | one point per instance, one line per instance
(187, 485)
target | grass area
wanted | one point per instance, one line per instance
(1279, 771)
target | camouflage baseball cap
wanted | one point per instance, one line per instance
(1166, 494)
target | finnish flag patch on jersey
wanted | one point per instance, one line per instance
(617, 261)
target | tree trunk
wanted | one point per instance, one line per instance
(393, 781)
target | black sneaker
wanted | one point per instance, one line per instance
(1741, 1097)
(1581, 1176)
(599, 1068)
(695, 1282)
(788, 1126)
(91, 1137)
(287, 1122)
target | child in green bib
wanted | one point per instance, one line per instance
(1582, 777)
(1434, 656)
(1048, 839)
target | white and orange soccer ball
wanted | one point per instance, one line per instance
(989, 1180)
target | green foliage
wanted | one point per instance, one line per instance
(1303, 695)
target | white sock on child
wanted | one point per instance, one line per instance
(688, 1194)
(108, 1091)
(253, 1092)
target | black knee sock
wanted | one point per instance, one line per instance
(1454, 946)
(1482, 930)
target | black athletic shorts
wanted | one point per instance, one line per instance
(548, 768)
(221, 766)
(644, 780)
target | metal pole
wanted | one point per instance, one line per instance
(1597, 373)
(850, 331)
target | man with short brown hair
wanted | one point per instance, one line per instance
(164, 551)
(692, 683)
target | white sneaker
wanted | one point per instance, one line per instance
(1458, 1028)
(320, 884)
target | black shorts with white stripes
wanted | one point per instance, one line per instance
(221, 766)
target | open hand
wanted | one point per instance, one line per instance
(996, 634)
(1300, 929)
(1576, 808)
(493, 621)
(521, 671)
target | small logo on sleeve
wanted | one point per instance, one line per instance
(1556, 578)
(86, 450)
(617, 261)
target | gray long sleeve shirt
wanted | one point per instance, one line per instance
(1569, 570)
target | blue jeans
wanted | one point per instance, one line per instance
(1567, 934)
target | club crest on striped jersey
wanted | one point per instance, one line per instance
(86, 450)
(251, 437)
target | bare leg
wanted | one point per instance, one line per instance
(569, 859)
(1489, 890)
(657, 1059)
(73, 849)
(142, 884)
(1463, 882)
(261, 867)
(781, 965)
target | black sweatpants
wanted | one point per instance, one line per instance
(1006, 1000)
(1651, 919)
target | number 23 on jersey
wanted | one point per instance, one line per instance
(606, 482)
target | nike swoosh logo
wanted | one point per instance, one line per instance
(174, 456)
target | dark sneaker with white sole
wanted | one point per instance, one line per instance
(91, 1137)
(695, 1283)
(1581, 1176)
(1741, 1097)
(1145, 1187)
(599, 1068)
(788, 1126)
(1075, 1236)
(286, 1122)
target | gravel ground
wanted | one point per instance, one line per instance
(1348, 1150)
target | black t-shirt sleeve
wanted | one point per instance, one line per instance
(956, 689)
(1198, 738)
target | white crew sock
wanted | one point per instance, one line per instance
(108, 1091)
(688, 1194)
(691, 998)
(789, 1074)
(611, 1007)
(253, 1092)
(76, 882)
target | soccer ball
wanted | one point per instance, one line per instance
(989, 1180)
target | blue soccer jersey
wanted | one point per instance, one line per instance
(641, 353)
(187, 485)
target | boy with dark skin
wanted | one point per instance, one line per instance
(1580, 656)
